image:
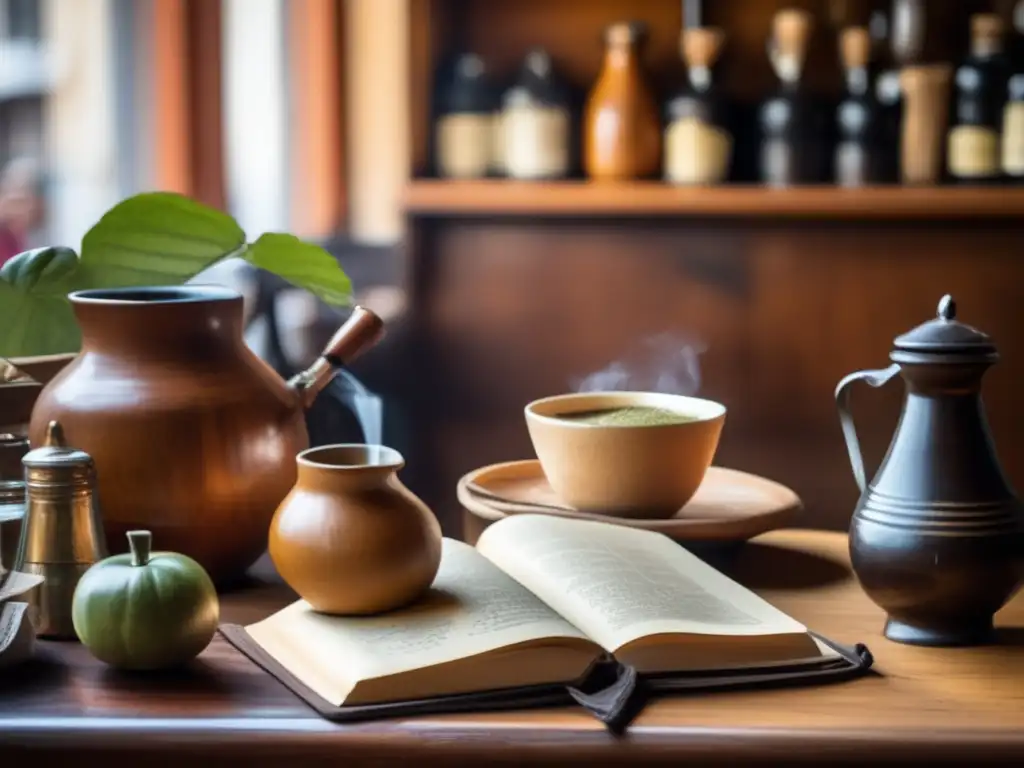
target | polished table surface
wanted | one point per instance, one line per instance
(921, 704)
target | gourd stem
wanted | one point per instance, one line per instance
(141, 543)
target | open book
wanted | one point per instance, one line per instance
(535, 606)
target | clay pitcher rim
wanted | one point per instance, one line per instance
(154, 295)
(351, 457)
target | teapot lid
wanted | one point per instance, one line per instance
(944, 339)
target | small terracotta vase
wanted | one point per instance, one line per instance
(349, 537)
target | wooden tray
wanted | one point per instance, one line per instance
(729, 506)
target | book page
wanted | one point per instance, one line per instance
(472, 608)
(619, 584)
(14, 583)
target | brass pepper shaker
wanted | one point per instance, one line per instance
(61, 534)
(12, 496)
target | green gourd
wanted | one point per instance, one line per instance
(145, 610)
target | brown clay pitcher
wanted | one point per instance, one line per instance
(193, 436)
(350, 538)
(622, 125)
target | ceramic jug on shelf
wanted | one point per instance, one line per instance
(937, 537)
(622, 124)
(193, 436)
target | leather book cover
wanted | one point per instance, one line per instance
(612, 692)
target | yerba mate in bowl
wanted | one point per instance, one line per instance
(628, 416)
(628, 454)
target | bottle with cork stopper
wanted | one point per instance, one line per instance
(464, 131)
(698, 141)
(973, 151)
(536, 119)
(792, 125)
(861, 155)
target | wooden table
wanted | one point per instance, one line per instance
(925, 704)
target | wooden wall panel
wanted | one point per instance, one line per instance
(511, 310)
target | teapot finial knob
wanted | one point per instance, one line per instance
(947, 308)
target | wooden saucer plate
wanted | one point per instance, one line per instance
(729, 506)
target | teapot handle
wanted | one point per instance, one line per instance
(362, 330)
(875, 379)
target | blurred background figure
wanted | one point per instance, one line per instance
(21, 206)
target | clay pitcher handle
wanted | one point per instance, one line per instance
(361, 331)
(875, 379)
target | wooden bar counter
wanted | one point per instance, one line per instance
(921, 704)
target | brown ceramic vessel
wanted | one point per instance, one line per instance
(193, 436)
(622, 125)
(350, 538)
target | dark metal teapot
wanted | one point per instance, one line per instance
(937, 537)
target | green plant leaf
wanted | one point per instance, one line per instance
(45, 269)
(35, 323)
(35, 316)
(155, 238)
(302, 264)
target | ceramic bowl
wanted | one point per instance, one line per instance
(626, 471)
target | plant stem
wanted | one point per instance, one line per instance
(141, 543)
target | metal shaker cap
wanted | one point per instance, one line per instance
(54, 463)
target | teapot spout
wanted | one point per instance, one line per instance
(361, 331)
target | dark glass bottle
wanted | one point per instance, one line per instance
(1015, 47)
(464, 127)
(698, 140)
(904, 31)
(793, 130)
(1012, 160)
(884, 78)
(536, 122)
(887, 81)
(973, 142)
(862, 155)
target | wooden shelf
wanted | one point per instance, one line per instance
(433, 197)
